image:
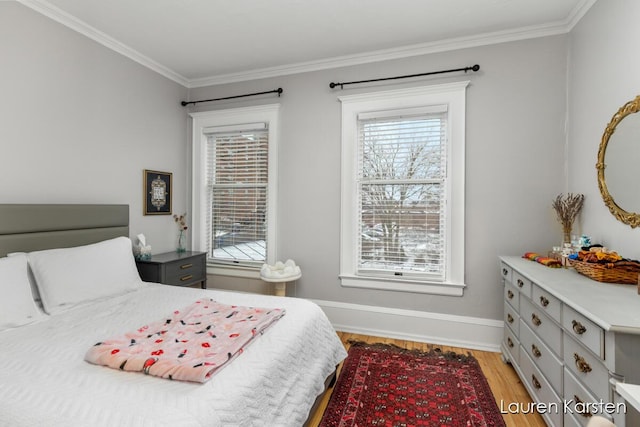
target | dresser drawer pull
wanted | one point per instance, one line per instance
(581, 364)
(543, 301)
(578, 327)
(509, 342)
(582, 405)
(505, 271)
(185, 266)
(510, 294)
(535, 319)
(535, 382)
(187, 277)
(520, 283)
(535, 350)
(509, 318)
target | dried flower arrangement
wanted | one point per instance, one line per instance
(181, 221)
(567, 208)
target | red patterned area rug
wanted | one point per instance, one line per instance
(384, 385)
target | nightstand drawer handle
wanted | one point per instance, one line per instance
(509, 342)
(505, 271)
(544, 302)
(520, 283)
(185, 266)
(509, 294)
(535, 319)
(581, 364)
(578, 327)
(509, 318)
(187, 277)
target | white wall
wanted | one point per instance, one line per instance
(603, 64)
(79, 123)
(515, 142)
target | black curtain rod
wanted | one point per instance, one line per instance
(465, 69)
(278, 91)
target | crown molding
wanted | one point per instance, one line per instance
(387, 54)
(559, 27)
(578, 13)
(62, 17)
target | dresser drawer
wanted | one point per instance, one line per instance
(512, 344)
(583, 330)
(570, 421)
(512, 295)
(185, 271)
(588, 369)
(541, 390)
(547, 302)
(511, 319)
(542, 325)
(505, 272)
(523, 284)
(542, 356)
(578, 399)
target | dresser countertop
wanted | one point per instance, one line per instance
(614, 307)
(631, 393)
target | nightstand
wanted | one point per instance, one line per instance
(173, 268)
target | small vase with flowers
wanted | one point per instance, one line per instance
(181, 222)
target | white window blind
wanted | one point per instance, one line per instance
(401, 190)
(237, 184)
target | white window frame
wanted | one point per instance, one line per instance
(232, 117)
(454, 96)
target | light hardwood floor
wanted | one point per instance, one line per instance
(504, 382)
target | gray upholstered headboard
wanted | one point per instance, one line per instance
(25, 228)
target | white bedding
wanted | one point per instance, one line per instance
(44, 380)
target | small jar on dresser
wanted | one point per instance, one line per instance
(175, 268)
(571, 339)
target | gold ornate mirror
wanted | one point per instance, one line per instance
(618, 164)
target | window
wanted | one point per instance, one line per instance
(237, 165)
(403, 190)
(234, 154)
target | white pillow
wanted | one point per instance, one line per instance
(17, 306)
(32, 280)
(70, 276)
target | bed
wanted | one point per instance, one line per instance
(44, 379)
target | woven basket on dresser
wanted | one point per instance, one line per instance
(608, 273)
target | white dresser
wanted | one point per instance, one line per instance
(570, 339)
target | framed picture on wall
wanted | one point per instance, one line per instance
(157, 192)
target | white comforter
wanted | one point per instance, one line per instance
(44, 380)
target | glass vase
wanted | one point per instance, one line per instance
(566, 233)
(182, 247)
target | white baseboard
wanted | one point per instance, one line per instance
(437, 328)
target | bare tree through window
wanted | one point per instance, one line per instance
(403, 166)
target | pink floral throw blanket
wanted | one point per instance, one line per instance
(190, 345)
